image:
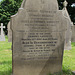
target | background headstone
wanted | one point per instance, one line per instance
(68, 34)
(2, 36)
(9, 33)
(73, 33)
(38, 31)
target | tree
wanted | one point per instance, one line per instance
(7, 9)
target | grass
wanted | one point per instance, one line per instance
(69, 58)
(6, 59)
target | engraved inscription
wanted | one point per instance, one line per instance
(41, 41)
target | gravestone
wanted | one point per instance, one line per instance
(68, 33)
(2, 36)
(73, 33)
(9, 33)
(38, 31)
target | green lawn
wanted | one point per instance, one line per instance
(69, 58)
(6, 59)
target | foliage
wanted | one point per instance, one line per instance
(7, 9)
(18, 2)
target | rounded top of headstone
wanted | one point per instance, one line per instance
(38, 4)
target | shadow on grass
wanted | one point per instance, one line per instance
(5, 62)
(6, 68)
(65, 71)
(68, 72)
(6, 72)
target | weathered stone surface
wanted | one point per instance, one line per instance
(2, 36)
(38, 38)
(68, 33)
(9, 33)
(73, 33)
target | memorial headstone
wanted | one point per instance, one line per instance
(73, 33)
(68, 34)
(38, 31)
(2, 36)
(9, 33)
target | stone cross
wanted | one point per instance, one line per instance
(2, 28)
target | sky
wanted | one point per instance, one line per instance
(0, 0)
